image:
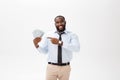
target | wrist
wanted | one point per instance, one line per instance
(36, 46)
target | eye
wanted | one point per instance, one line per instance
(57, 22)
(63, 23)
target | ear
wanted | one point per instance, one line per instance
(65, 22)
(55, 24)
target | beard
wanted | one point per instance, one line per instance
(60, 30)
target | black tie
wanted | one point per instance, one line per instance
(60, 50)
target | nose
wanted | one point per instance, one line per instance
(60, 24)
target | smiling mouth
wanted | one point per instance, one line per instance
(60, 27)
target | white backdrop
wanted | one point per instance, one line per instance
(97, 23)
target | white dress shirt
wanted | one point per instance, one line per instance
(70, 44)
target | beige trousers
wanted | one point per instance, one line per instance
(54, 72)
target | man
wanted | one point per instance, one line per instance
(59, 45)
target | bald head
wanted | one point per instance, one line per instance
(60, 16)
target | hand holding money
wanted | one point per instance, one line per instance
(37, 34)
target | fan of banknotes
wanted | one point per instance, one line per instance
(37, 33)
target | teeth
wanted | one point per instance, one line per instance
(60, 26)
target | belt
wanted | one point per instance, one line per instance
(61, 64)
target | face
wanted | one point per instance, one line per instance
(60, 24)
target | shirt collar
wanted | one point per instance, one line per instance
(64, 32)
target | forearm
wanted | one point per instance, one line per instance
(42, 50)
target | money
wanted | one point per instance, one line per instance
(37, 33)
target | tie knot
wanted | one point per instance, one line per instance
(60, 33)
